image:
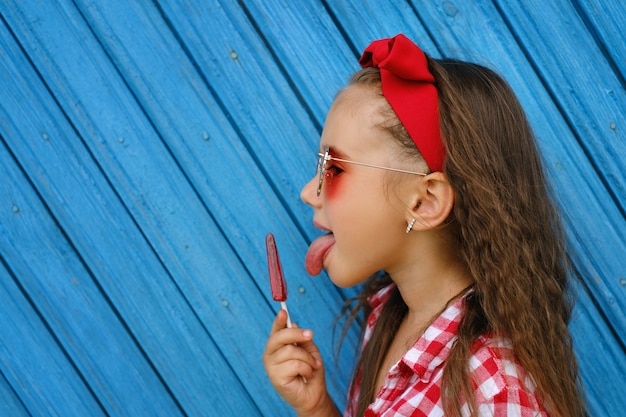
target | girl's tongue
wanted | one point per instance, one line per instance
(317, 253)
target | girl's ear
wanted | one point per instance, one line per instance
(432, 205)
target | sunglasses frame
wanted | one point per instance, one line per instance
(325, 157)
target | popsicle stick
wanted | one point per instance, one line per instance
(283, 305)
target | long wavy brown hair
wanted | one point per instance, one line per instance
(507, 231)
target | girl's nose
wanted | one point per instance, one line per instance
(309, 193)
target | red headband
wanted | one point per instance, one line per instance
(409, 88)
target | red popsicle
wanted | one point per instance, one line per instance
(277, 281)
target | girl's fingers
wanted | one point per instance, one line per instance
(313, 351)
(281, 335)
(292, 352)
(280, 321)
(291, 349)
(301, 369)
(280, 351)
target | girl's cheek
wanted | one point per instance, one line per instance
(333, 186)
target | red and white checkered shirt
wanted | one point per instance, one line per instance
(412, 386)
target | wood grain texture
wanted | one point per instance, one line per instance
(146, 148)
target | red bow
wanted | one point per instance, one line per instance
(408, 86)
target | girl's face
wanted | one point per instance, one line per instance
(359, 205)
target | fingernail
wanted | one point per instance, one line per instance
(307, 333)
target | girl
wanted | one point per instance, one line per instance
(428, 171)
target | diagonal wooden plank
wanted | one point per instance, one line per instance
(594, 344)
(10, 403)
(123, 263)
(171, 117)
(606, 23)
(240, 307)
(363, 22)
(591, 100)
(40, 376)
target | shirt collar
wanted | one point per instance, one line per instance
(433, 346)
(431, 350)
(379, 298)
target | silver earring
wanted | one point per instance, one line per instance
(410, 226)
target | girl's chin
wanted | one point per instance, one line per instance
(345, 278)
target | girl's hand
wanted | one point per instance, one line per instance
(290, 355)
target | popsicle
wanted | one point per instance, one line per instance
(277, 280)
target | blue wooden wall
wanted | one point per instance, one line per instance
(147, 147)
